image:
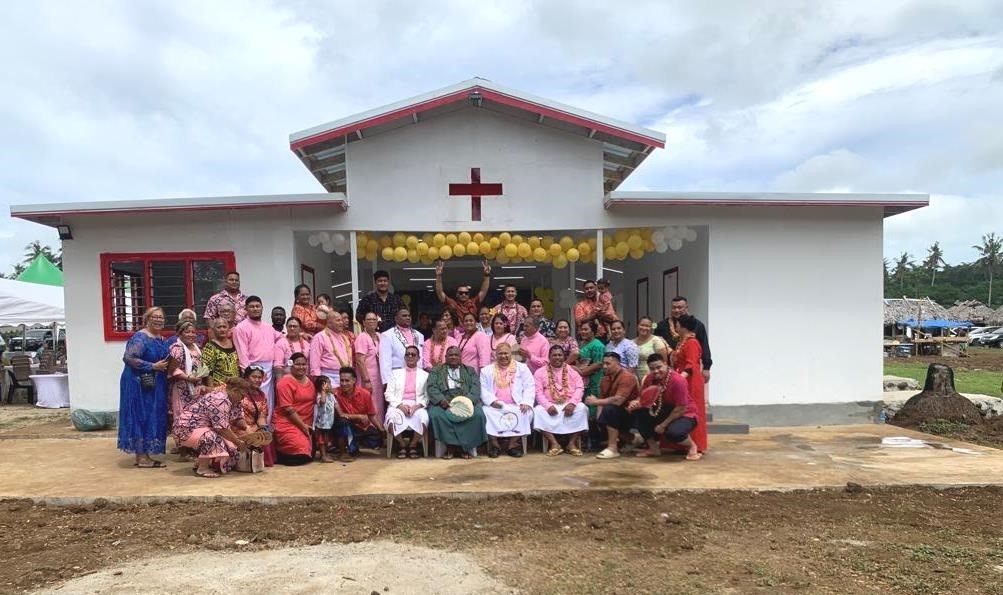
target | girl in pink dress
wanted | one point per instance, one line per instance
(367, 362)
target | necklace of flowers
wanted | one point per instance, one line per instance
(504, 377)
(436, 360)
(400, 337)
(561, 396)
(656, 407)
(345, 342)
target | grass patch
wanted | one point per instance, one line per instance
(982, 382)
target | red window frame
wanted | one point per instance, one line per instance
(110, 334)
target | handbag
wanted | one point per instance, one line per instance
(148, 381)
(251, 460)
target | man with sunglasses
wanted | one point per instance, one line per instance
(464, 303)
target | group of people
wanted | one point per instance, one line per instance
(313, 385)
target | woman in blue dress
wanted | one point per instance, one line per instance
(142, 410)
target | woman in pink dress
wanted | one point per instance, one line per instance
(500, 334)
(475, 346)
(367, 361)
(182, 369)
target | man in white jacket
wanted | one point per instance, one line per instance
(407, 403)
(508, 392)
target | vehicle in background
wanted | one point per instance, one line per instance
(975, 335)
(34, 339)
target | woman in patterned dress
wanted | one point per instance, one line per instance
(305, 310)
(648, 343)
(566, 339)
(219, 354)
(182, 369)
(205, 428)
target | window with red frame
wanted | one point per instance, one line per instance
(131, 283)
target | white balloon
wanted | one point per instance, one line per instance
(661, 248)
(313, 240)
(675, 243)
(691, 235)
(658, 237)
(337, 238)
(340, 250)
(327, 247)
(671, 231)
(324, 237)
(340, 243)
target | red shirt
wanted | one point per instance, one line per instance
(622, 383)
(471, 306)
(674, 394)
(360, 402)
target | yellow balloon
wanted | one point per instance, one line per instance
(361, 240)
(422, 249)
(473, 248)
(621, 235)
(478, 237)
(370, 254)
(524, 250)
(406, 299)
(636, 254)
(459, 250)
(386, 241)
(400, 254)
(433, 253)
(502, 258)
(573, 255)
(649, 245)
(534, 242)
(592, 243)
(635, 242)
(450, 239)
(584, 248)
(486, 247)
(622, 249)
(567, 243)
(399, 238)
(438, 240)
(387, 253)
(511, 250)
(445, 253)
(517, 239)
(491, 254)
(560, 261)
(555, 249)
(516, 260)
(427, 238)
(463, 238)
(411, 242)
(547, 241)
(503, 238)
(413, 256)
(539, 255)
(646, 234)
(425, 260)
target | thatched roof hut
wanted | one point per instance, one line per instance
(906, 308)
(972, 311)
(997, 317)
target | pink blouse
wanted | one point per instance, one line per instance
(410, 383)
(475, 351)
(440, 352)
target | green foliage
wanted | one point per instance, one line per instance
(32, 250)
(943, 283)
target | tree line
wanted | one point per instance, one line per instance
(31, 250)
(942, 282)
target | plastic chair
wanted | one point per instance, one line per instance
(390, 442)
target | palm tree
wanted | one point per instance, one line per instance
(934, 258)
(989, 256)
(902, 266)
(35, 248)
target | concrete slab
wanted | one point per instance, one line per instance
(65, 470)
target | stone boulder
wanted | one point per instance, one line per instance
(899, 383)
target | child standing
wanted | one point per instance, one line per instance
(605, 299)
(323, 416)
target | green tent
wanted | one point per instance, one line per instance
(42, 271)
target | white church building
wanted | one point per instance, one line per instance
(789, 285)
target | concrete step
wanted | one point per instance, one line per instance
(727, 426)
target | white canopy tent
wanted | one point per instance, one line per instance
(30, 303)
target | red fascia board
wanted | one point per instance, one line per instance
(135, 210)
(464, 96)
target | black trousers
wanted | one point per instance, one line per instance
(616, 416)
(677, 430)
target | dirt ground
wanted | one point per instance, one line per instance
(893, 540)
(978, 358)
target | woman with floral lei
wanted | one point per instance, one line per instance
(559, 409)
(436, 346)
(500, 334)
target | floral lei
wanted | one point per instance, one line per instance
(504, 380)
(345, 341)
(432, 358)
(559, 397)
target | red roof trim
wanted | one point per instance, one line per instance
(463, 95)
(138, 209)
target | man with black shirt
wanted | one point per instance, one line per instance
(381, 301)
(667, 330)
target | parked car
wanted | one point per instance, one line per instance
(993, 339)
(975, 335)
(34, 339)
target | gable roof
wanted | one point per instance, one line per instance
(322, 148)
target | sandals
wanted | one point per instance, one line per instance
(402, 453)
(493, 452)
(553, 452)
(153, 465)
(649, 453)
(608, 454)
(694, 456)
(575, 452)
(514, 452)
(468, 456)
(412, 453)
(447, 456)
(207, 474)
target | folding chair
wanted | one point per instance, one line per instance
(20, 377)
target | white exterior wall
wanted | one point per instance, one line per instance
(691, 260)
(795, 304)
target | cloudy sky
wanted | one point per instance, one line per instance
(116, 100)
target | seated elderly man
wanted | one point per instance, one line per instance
(559, 408)
(665, 408)
(508, 392)
(459, 425)
(617, 389)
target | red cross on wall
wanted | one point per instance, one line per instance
(475, 190)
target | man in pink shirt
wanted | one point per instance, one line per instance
(559, 408)
(534, 346)
(255, 344)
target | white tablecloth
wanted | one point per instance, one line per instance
(53, 390)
